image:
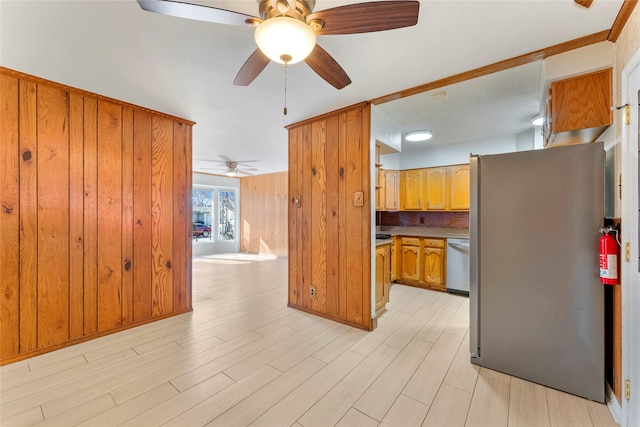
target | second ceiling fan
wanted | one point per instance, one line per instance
(286, 30)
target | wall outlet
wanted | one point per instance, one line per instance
(312, 291)
(421, 220)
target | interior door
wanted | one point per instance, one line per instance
(630, 219)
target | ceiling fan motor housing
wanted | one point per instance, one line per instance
(269, 9)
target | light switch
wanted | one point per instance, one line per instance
(358, 199)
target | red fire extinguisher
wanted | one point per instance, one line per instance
(608, 257)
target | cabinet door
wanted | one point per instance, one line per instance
(433, 263)
(410, 263)
(391, 185)
(460, 186)
(394, 260)
(380, 276)
(411, 189)
(436, 188)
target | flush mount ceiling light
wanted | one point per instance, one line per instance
(284, 39)
(418, 135)
(537, 121)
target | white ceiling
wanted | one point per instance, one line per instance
(186, 68)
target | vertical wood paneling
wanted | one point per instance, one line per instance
(181, 198)
(28, 218)
(142, 227)
(353, 216)
(162, 215)
(53, 216)
(91, 195)
(307, 211)
(263, 214)
(330, 236)
(109, 215)
(127, 216)
(332, 216)
(9, 217)
(76, 217)
(342, 214)
(186, 263)
(294, 217)
(319, 215)
(90, 215)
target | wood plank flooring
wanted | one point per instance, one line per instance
(243, 358)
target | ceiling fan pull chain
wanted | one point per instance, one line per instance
(285, 58)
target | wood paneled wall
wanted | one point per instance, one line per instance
(263, 214)
(329, 236)
(95, 226)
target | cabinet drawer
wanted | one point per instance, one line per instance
(411, 241)
(434, 243)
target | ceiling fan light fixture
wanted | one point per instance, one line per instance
(284, 37)
(418, 136)
(231, 173)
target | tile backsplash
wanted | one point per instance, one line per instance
(423, 219)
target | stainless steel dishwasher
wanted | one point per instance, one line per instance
(458, 266)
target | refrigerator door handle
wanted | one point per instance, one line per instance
(474, 239)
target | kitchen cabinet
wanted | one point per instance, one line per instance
(378, 181)
(383, 275)
(436, 188)
(460, 185)
(395, 262)
(410, 259)
(578, 109)
(433, 262)
(390, 183)
(422, 262)
(412, 190)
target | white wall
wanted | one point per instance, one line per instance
(205, 246)
(525, 140)
(452, 154)
(385, 130)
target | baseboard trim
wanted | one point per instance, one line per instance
(614, 406)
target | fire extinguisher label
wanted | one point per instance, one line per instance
(608, 266)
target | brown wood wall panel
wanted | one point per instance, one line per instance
(53, 216)
(162, 215)
(28, 218)
(332, 215)
(142, 226)
(90, 155)
(109, 215)
(319, 215)
(329, 235)
(76, 216)
(127, 216)
(181, 199)
(263, 214)
(10, 216)
(93, 193)
(294, 218)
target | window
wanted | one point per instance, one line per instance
(214, 206)
(226, 215)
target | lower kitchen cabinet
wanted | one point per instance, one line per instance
(433, 275)
(422, 262)
(383, 275)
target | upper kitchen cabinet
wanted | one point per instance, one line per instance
(436, 188)
(390, 183)
(459, 192)
(578, 109)
(411, 190)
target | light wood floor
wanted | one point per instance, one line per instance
(243, 358)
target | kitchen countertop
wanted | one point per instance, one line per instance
(380, 242)
(447, 233)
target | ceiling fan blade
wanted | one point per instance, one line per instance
(196, 12)
(251, 68)
(327, 67)
(367, 17)
(584, 3)
(243, 172)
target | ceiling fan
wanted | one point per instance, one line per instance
(286, 30)
(232, 168)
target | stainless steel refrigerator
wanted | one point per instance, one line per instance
(537, 305)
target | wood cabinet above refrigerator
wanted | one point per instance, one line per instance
(578, 109)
